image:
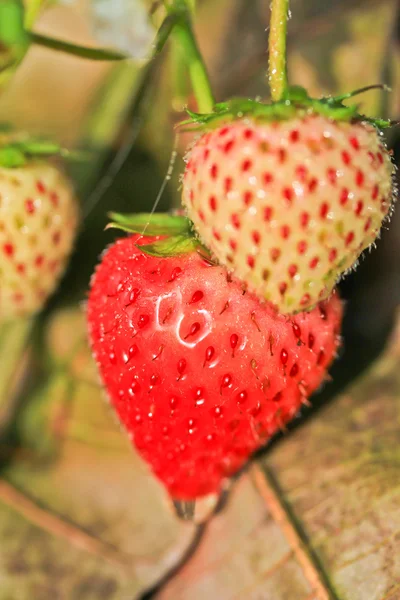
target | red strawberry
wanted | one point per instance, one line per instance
(38, 222)
(200, 373)
(289, 206)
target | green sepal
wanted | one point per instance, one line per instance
(35, 147)
(171, 246)
(357, 92)
(177, 232)
(151, 224)
(296, 103)
(16, 153)
(11, 157)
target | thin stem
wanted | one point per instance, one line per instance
(278, 80)
(197, 70)
(181, 88)
(181, 84)
(76, 50)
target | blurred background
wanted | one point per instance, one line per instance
(70, 486)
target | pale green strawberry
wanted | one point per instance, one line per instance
(288, 206)
(38, 223)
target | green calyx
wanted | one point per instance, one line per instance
(16, 150)
(296, 102)
(176, 232)
(151, 224)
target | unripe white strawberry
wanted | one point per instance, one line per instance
(38, 223)
(288, 206)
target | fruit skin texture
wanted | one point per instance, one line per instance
(38, 222)
(200, 373)
(289, 206)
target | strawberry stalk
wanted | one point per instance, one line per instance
(185, 37)
(198, 74)
(181, 87)
(278, 80)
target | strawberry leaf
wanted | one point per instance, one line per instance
(151, 224)
(172, 246)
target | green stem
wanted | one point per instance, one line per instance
(197, 70)
(181, 88)
(278, 79)
(181, 85)
(74, 49)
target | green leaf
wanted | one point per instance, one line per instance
(12, 157)
(151, 224)
(76, 50)
(173, 246)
